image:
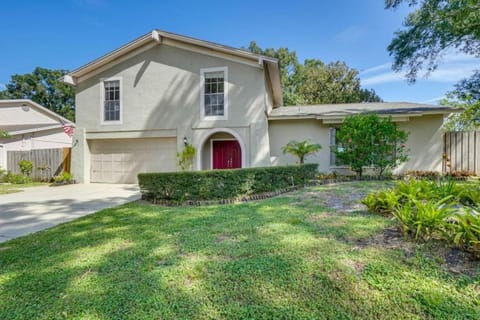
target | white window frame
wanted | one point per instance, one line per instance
(102, 101)
(225, 93)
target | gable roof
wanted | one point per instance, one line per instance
(340, 111)
(15, 122)
(159, 37)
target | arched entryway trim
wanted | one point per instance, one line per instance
(206, 135)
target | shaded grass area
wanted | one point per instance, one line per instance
(6, 188)
(290, 257)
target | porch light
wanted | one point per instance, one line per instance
(185, 141)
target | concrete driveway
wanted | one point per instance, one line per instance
(38, 208)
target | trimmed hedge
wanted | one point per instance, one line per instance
(222, 184)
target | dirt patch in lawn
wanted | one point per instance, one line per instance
(341, 197)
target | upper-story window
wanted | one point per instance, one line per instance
(111, 100)
(214, 93)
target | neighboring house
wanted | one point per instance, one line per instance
(31, 127)
(139, 104)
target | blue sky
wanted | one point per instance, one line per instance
(69, 33)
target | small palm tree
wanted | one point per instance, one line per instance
(301, 149)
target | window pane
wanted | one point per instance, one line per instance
(214, 93)
(112, 100)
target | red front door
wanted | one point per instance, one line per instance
(226, 154)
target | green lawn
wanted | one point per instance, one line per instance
(12, 188)
(311, 254)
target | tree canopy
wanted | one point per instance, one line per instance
(466, 96)
(315, 82)
(43, 87)
(431, 29)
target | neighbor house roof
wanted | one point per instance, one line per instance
(336, 112)
(14, 122)
(159, 37)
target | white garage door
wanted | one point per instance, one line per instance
(119, 161)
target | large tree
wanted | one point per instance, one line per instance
(43, 87)
(466, 96)
(434, 27)
(431, 30)
(315, 82)
(331, 83)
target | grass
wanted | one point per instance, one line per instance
(6, 188)
(289, 257)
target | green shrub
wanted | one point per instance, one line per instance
(383, 202)
(442, 189)
(424, 219)
(64, 177)
(222, 184)
(16, 178)
(26, 167)
(467, 230)
(470, 196)
(413, 189)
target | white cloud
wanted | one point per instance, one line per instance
(382, 78)
(385, 66)
(2, 86)
(453, 67)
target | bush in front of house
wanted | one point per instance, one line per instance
(222, 184)
(367, 140)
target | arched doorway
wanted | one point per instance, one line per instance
(221, 149)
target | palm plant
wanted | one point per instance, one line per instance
(301, 149)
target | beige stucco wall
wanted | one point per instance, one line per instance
(424, 142)
(161, 90)
(283, 131)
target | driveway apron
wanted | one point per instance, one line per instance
(39, 208)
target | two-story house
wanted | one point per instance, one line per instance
(137, 106)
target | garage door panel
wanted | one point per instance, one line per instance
(119, 161)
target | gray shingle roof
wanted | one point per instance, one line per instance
(345, 109)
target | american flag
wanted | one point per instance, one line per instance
(68, 129)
